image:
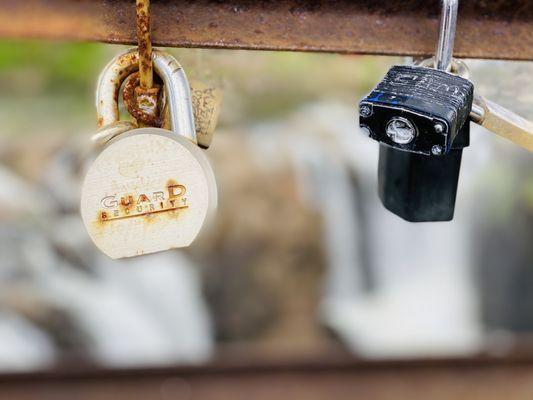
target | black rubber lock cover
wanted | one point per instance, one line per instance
(425, 97)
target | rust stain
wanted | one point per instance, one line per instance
(103, 216)
(172, 182)
(100, 220)
(147, 205)
(175, 189)
(144, 43)
(126, 202)
(326, 375)
(142, 104)
(144, 214)
(486, 29)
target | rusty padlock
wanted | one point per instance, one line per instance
(149, 189)
(206, 100)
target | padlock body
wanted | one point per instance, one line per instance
(417, 187)
(148, 190)
(436, 104)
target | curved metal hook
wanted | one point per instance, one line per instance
(178, 94)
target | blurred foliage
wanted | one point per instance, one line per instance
(63, 67)
(261, 85)
(54, 82)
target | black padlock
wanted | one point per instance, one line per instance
(420, 117)
(417, 109)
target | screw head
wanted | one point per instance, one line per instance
(401, 130)
(365, 111)
(436, 150)
(439, 127)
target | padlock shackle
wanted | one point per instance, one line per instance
(447, 27)
(178, 92)
(176, 88)
(109, 83)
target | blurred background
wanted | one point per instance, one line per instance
(302, 261)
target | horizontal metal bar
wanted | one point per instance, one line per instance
(475, 379)
(486, 29)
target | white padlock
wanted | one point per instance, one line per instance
(149, 189)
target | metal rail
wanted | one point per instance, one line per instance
(485, 29)
(473, 379)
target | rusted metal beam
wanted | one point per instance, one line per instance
(486, 29)
(473, 379)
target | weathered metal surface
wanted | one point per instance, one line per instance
(145, 44)
(142, 103)
(145, 107)
(486, 29)
(473, 379)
